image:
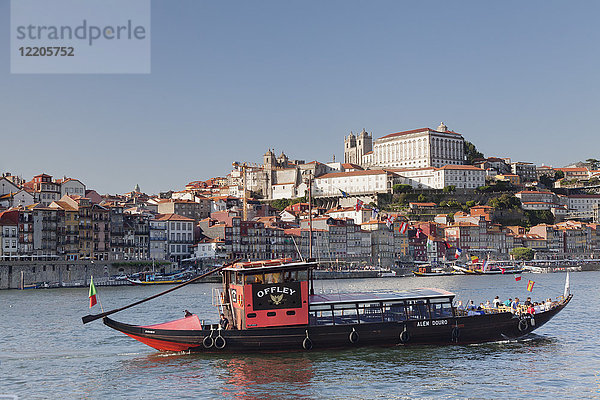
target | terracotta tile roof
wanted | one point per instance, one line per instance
(10, 217)
(65, 206)
(534, 192)
(572, 169)
(172, 217)
(350, 165)
(400, 170)
(459, 167)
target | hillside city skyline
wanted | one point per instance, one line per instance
(164, 187)
(234, 80)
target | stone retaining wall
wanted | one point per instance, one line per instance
(62, 271)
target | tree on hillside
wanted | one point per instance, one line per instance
(522, 253)
(471, 152)
(593, 163)
(535, 217)
(398, 188)
(505, 202)
(547, 181)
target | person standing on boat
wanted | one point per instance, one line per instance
(496, 302)
(223, 322)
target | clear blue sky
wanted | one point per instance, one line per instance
(231, 79)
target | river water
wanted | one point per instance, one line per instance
(46, 352)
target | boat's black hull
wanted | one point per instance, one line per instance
(452, 330)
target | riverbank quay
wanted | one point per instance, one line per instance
(55, 273)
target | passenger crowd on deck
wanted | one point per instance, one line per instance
(514, 306)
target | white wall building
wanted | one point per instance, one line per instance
(180, 236)
(7, 187)
(360, 216)
(355, 183)
(208, 249)
(461, 176)
(582, 205)
(72, 186)
(283, 190)
(18, 198)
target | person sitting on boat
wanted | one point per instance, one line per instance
(488, 304)
(496, 302)
(538, 307)
(530, 309)
(548, 304)
(514, 305)
(223, 322)
(508, 302)
(471, 305)
(527, 302)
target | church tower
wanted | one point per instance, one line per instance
(355, 147)
(350, 148)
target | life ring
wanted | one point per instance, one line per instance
(455, 334)
(208, 341)
(307, 343)
(404, 336)
(220, 344)
(523, 324)
(353, 336)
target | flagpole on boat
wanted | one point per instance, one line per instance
(90, 318)
(310, 271)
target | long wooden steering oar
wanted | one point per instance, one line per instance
(90, 318)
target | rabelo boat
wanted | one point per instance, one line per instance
(270, 306)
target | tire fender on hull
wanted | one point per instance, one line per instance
(353, 337)
(455, 334)
(220, 342)
(307, 344)
(208, 342)
(404, 335)
(523, 324)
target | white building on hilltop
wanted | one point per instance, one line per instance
(418, 148)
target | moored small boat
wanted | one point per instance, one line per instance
(428, 270)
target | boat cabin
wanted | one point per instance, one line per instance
(357, 308)
(275, 293)
(266, 293)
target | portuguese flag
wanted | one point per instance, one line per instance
(92, 292)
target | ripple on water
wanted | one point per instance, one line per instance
(54, 356)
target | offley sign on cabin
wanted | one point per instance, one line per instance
(280, 295)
